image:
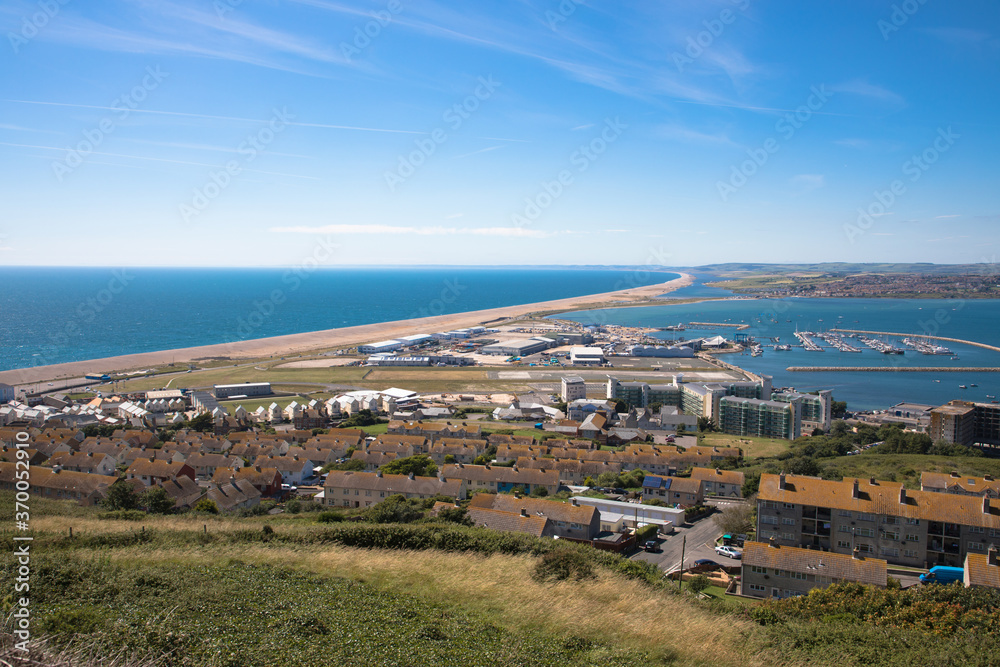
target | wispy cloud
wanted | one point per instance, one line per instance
(391, 230)
(808, 182)
(863, 88)
(481, 150)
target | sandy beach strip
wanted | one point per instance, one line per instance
(280, 346)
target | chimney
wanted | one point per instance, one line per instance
(986, 504)
(988, 478)
(856, 491)
(872, 481)
(524, 512)
(718, 472)
(771, 542)
(378, 473)
(902, 495)
(856, 554)
(410, 476)
(954, 473)
(576, 503)
(781, 482)
(992, 555)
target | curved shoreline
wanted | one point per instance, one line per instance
(316, 340)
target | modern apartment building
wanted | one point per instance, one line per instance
(755, 417)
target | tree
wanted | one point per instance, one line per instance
(293, 506)
(449, 458)
(698, 584)
(736, 519)
(203, 422)
(838, 408)
(817, 431)
(356, 465)
(420, 465)
(706, 425)
(320, 431)
(394, 509)
(156, 501)
(121, 496)
(589, 481)
(655, 407)
(681, 428)
(539, 492)
(206, 505)
(457, 515)
(621, 406)
(362, 418)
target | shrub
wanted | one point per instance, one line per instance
(562, 564)
(698, 584)
(329, 517)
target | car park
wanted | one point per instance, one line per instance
(729, 552)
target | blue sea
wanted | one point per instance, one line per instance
(55, 315)
(975, 320)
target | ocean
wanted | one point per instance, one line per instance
(55, 315)
(973, 319)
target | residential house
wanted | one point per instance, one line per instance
(205, 465)
(374, 460)
(183, 490)
(727, 483)
(983, 569)
(565, 520)
(294, 470)
(265, 480)
(94, 464)
(234, 495)
(364, 489)
(500, 479)
(84, 488)
(682, 491)
(151, 471)
(966, 485)
(770, 570)
(461, 450)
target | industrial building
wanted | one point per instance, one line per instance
(416, 339)
(586, 356)
(660, 351)
(247, 389)
(381, 346)
(521, 347)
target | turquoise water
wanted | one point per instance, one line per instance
(54, 315)
(975, 320)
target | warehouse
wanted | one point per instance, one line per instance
(224, 391)
(586, 356)
(517, 347)
(416, 339)
(381, 346)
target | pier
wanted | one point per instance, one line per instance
(807, 342)
(896, 369)
(738, 327)
(950, 340)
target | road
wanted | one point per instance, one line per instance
(701, 537)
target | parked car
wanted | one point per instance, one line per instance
(651, 545)
(729, 552)
(706, 562)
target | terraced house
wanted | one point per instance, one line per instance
(728, 483)
(771, 570)
(501, 479)
(364, 489)
(880, 519)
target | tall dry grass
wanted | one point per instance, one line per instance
(610, 608)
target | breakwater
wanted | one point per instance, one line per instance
(896, 369)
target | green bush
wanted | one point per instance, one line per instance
(562, 564)
(329, 517)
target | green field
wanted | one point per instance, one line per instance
(753, 448)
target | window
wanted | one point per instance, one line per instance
(797, 575)
(788, 522)
(769, 504)
(912, 537)
(843, 544)
(844, 529)
(865, 532)
(892, 520)
(769, 519)
(788, 506)
(913, 522)
(757, 588)
(866, 548)
(976, 529)
(977, 546)
(994, 532)
(846, 513)
(909, 553)
(891, 535)
(757, 569)
(865, 516)
(890, 552)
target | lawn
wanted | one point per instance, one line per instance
(752, 447)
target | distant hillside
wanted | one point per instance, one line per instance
(734, 268)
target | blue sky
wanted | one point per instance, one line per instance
(521, 132)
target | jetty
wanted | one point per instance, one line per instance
(808, 342)
(896, 369)
(929, 337)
